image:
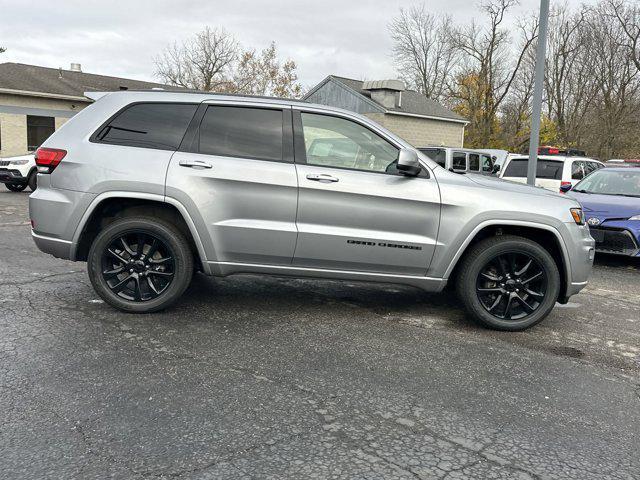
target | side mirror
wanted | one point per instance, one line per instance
(408, 163)
(496, 168)
(565, 187)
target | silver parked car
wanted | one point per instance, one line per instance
(147, 187)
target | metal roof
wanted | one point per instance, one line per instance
(413, 103)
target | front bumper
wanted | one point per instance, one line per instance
(8, 175)
(616, 240)
(581, 251)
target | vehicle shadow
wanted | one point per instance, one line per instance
(287, 296)
(616, 261)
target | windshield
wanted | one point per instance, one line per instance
(611, 182)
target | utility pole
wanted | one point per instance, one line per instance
(536, 107)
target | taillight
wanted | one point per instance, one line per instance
(564, 184)
(47, 159)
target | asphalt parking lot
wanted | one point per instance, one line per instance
(257, 377)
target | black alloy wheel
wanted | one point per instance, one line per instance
(138, 266)
(508, 282)
(511, 285)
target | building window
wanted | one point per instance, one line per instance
(38, 130)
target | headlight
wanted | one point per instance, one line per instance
(18, 162)
(635, 217)
(578, 215)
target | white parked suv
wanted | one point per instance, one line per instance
(553, 171)
(18, 173)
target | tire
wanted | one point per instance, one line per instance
(141, 287)
(33, 181)
(16, 187)
(497, 289)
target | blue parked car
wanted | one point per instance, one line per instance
(610, 198)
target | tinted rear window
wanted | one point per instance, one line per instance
(149, 125)
(547, 169)
(242, 132)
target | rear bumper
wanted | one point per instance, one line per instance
(53, 246)
(55, 215)
(11, 176)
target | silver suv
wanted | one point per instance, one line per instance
(147, 187)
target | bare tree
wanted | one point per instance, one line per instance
(628, 16)
(263, 74)
(203, 62)
(569, 80)
(423, 52)
(613, 119)
(489, 67)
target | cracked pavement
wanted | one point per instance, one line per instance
(259, 377)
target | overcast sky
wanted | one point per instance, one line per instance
(121, 38)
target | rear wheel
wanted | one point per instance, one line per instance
(140, 264)
(33, 181)
(16, 187)
(508, 282)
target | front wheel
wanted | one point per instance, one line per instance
(16, 187)
(140, 264)
(508, 282)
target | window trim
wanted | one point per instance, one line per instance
(191, 141)
(94, 136)
(300, 151)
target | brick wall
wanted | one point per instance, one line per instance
(421, 131)
(13, 120)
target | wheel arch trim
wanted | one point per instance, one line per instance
(512, 223)
(140, 196)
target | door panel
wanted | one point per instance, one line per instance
(366, 221)
(248, 207)
(235, 174)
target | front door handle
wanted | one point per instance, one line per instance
(321, 177)
(195, 163)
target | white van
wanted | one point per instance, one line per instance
(553, 170)
(461, 159)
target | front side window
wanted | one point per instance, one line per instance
(337, 142)
(38, 130)
(243, 132)
(459, 161)
(149, 125)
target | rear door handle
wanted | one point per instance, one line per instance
(321, 177)
(195, 163)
